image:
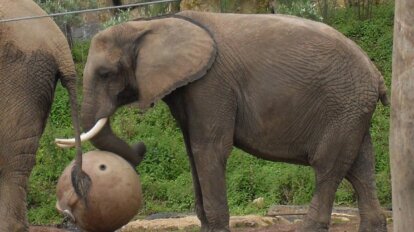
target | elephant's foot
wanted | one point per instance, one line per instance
(206, 228)
(14, 226)
(377, 223)
(140, 150)
(310, 225)
(219, 230)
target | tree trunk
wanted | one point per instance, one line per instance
(68, 34)
(402, 118)
(325, 11)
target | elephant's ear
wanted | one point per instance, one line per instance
(173, 53)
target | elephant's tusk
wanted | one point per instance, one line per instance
(67, 143)
(69, 214)
(65, 212)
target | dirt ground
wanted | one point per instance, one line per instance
(280, 218)
(343, 227)
(351, 226)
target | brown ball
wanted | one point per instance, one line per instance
(114, 198)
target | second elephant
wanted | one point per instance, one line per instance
(279, 87)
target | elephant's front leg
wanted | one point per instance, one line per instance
(210, 145)
(197, 189)
(210, 109)
(210, 164)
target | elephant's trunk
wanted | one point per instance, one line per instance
(107, 140)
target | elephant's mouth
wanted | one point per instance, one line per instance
(67, 143)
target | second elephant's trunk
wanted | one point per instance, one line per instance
(108, 141)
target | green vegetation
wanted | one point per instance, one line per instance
(165, 172)
(57, 6)
(302, 8)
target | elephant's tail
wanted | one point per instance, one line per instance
(383, 94)
(80, 180)
(382, 89)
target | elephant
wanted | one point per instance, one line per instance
(279, 87)
(34, 56)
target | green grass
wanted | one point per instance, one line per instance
(165, 172)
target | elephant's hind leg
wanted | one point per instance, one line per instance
(361, 175)
(13, 187)
(20, 133)
(333, 158)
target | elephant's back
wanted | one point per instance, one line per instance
(27, 35)
(265, 25)
(27, 62)
(289, 73)
(291, 58)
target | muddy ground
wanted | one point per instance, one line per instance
(343, 227)
(279, 219)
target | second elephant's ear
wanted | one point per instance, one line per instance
(173, 53)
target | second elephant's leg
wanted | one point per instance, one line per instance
(362, 177)
(199, 208)
(174, 101)
(333, 158)
(208, 157)
(210, 164)
(211, 131)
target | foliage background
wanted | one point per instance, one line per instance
(165, 174)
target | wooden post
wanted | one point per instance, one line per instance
(402, 118)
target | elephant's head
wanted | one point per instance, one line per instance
(140, 61)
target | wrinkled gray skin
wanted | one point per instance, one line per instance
(281, 88)
(34, 55)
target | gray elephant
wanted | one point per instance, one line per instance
(278, 87)
(34, 55)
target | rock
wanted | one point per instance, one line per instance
(164, 216)
(45, 229)
(190, 223)
(253, 221)
(278, 210)
(297, 221)
(339, 219)
(259, 202)
(185, 223)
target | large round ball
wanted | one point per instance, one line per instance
(114, 198)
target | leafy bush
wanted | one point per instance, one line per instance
(60, 6)
(302, 8)
(121, 17)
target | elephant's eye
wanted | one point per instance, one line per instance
(104, 75)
